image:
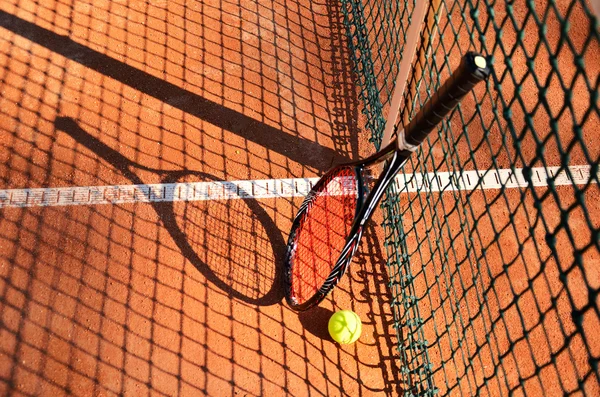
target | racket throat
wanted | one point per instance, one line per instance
(374, 194)
(372, 169)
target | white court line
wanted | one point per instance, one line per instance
(279, 188)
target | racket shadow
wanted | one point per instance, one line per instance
(234, 244)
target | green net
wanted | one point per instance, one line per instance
(492, 233)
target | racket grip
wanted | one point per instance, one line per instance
(473, 69)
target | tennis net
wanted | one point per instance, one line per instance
(494, 291)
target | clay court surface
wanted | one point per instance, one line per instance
(185, 298)
(180, 298)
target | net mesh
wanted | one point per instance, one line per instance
(495, 274)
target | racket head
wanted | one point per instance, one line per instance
(324, 237)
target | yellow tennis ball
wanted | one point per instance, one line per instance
(345, 326)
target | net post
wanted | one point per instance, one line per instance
(596, 8)
(429, 38)
(410, 47)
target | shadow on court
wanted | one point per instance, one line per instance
(233, 243)
(174, 298)
(296, 148)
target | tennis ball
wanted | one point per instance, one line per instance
(345, 326)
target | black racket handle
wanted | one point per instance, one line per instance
(473, 69)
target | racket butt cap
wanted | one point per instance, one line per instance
(480, 61)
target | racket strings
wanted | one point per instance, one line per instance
(322, 233)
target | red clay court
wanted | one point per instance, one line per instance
(110, 289)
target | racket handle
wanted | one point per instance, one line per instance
(473, 69)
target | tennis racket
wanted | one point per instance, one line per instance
(327, 229)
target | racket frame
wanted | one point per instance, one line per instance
(365, 206)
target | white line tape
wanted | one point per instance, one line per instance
(493, 179)
(276, 188)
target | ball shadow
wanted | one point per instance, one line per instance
(315, 322)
